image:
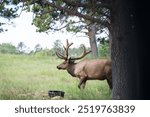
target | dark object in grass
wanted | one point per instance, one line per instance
(54, 93)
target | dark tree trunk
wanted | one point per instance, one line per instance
(124, 52)
(92, 39)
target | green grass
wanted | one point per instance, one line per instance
(30, 78)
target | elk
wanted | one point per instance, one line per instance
(96, 69)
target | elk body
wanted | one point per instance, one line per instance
(98, 69)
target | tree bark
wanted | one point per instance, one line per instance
(124, 51)
(92, 39)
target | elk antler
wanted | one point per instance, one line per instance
(83, 54)
(67, 48)
(61, 56)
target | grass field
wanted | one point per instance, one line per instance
(25, 77)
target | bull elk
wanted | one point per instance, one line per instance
(98, 69)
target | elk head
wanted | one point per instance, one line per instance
(68, 60)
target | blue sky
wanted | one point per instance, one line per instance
(23, 31)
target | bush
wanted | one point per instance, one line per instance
(6, 48)
(104, 50)
(45, 53)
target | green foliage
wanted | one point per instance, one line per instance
(44, 53)
(30, 77)
(7, 48)
(8, 10)
(75, 25)
(104, 50)
(42, 22)
(72, 15)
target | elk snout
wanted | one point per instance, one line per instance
(58, 67)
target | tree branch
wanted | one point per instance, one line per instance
(87, 5)
(76, 13)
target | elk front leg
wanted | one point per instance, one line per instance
(82, 81)
(109, 81)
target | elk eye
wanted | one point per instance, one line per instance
(70, 61)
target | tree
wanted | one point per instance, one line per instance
(21, 46)
(6, 48)
(37, 48)
(48, 13)
(57, 44)
(123, 50)
(130, 76)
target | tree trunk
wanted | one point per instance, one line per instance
(92, 39)
(124, 52)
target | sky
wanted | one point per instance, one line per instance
(23, 31)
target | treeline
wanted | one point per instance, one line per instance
(8, 48)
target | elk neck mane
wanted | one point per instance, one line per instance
(71, 69)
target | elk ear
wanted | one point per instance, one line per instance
(71, 61)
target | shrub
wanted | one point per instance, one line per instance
(6, 48)
(104, 50)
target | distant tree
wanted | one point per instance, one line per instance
(37, 48)
(7, 48)
(21, 47)
(57, 44)
(74, 52)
